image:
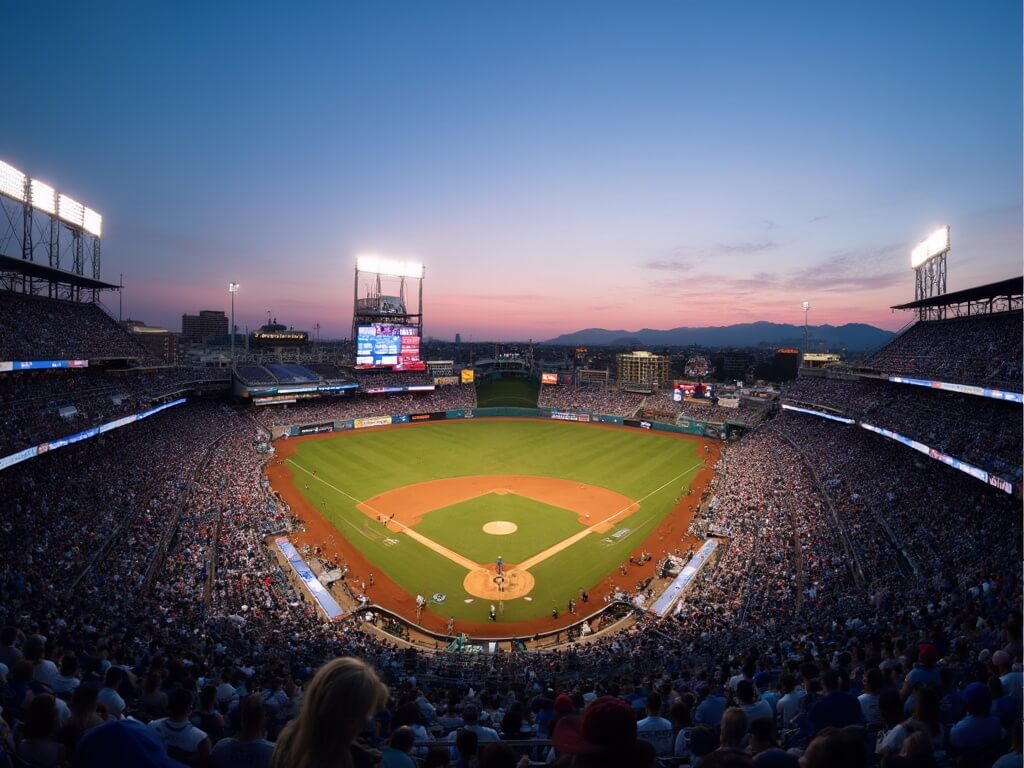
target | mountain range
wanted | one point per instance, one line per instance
(854, 337)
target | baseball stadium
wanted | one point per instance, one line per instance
(403, 491)
(504, 519)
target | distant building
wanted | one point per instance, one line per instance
(160, 343)
(820, 359)
(787, 363)
(644, 369)
(197, 328)
(458, 338)
(278, 337)
(731, 364)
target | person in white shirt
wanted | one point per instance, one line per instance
(753, 707)
(108, 698)
(788, 706)
(185, 743)
(655, 729)
(64, 684)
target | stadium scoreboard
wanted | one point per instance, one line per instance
(385, 345)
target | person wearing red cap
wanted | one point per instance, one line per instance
(604, 737)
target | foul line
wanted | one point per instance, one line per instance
(526, 564)
(565, 543)
(455, 557)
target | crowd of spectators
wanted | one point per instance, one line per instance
(749, 412)
(373, 379)
(864, 606)
(593, 398)
(39, 328)
(985, 349)
(360, 406)
(37, 407)
(981, 431)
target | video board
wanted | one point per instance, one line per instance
(386, 345)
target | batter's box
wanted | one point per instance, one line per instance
(390, 542)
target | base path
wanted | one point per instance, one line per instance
(591, 504)
(670, 536)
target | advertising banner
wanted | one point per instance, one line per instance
(729, 402)
(435, 416)
(583, 418)
(662, 605)
(402, 418)
(314, 429)
(372, 421)
(467, 375)
(829, 416)
(318, 591)
(549, 378)
(342, 425)
(966, 389)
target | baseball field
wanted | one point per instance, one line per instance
(431, 507)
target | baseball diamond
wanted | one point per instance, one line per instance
(580, 500)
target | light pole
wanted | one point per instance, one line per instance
(807, 306)
(232, 289)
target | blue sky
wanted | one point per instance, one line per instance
(555, 165)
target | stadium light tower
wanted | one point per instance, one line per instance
(807, 307)
(233, 289)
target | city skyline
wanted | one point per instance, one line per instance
(554, 167)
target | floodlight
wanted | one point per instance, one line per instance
(12, 182)
(807, 305)
(71, 211)
(44, 197)
(392, 267)
(92, 222)
(233, 287)
(937, 242)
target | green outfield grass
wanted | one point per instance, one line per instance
(508, 393)
(354, 466)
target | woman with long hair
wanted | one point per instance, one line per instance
(343, 695)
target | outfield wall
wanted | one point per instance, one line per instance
(685, 427)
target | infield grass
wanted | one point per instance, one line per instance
(350, 467)
(539, 526)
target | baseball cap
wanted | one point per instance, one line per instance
(563, 703)
(928, 654)
(122, 744)
(1000, 657)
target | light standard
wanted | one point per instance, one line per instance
(807, 306)
(232, 289)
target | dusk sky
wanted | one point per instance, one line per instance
(556, 165)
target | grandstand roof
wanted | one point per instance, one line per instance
(998, 290)
(45, 272)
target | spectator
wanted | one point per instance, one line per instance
(37, 746)
(185, 743)
(248, 748)
(343, 695)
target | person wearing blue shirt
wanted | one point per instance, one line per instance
(980, 728)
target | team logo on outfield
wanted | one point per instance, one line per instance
(438, 597)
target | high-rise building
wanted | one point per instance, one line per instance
(643, 368)
(209, 322)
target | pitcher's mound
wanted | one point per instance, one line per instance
(485, 583)
(500, 527)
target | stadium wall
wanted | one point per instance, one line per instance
(688, 427)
